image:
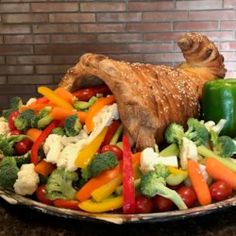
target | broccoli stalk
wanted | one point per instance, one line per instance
(72, 125)
(100, 163)
(59, 185)
(23, 121)
(7, 143)
(152, 184)
(15, 104)
(8, 172)
(59, 131)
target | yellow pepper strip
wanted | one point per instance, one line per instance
(54, 98)
(87, 153)
(109, 204)
(106, 190)
(176, 171)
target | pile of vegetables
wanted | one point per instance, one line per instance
(69, 150)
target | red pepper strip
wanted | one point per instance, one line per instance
(128, 179)
(68, 204)
(86, 93)
(34, 158)
(110, 132)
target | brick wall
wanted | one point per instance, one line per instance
(40, 39)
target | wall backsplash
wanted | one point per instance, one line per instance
(40, 39)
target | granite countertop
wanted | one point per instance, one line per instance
(15, 220)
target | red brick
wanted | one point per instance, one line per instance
(16, 89)
(3, 79)
(102, 27)
(25, 18)
(165, 16)
(151, 47)
(150, 6)
(219, 35)
(197, 5)
(26, 39)
(2, 60)
(73, 38)
(228, 56)
(55, 7)
(167, 36)
(229, 3)
(65, 59)
(51, 69)
(196, 26)
(163, 57)
(212, 15)
(230, 66)
(15, 70)
(149, 27)
(28, 60)
(11, 7)
(127, 57)
(15, 49)
(228, 25)
(119, 17)
(1, 39)
(4, 103)
(228, 46)
(72, 17)
(30, 79)
(15, 29)
(102, 7)
(23, 1)
(55, 28)
(79, 49)
(117, 38)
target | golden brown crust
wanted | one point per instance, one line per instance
(150, 97)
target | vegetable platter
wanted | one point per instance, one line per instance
(67, 154)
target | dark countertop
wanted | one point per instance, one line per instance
(16, 220)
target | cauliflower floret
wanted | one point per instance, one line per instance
(211, 125)
(204, 173)
(188, 150)
(149, 159)
(30, 101)
(52, 148)
(27, 181)
(69, 154)
(4, 128)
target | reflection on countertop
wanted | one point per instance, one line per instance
(15, 220)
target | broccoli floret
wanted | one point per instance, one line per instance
(8, 172)
(22, 159)
(24, 120)
(174, 133)
(197, 132)
(72, 125)
(15, 104)
(101, 162)
(59, 184)
(7, 143)
(59, 131)
(162, 170)
(152, 184)
(43, 118)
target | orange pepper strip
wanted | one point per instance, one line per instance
(44, 168)
(54, 98)
(199, 184)
(33, 133)
(95, 108)
(66, 95)
(105, 177)
(59, 113)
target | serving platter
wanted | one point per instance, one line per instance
(115, 218)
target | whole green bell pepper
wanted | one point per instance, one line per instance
(219, 102)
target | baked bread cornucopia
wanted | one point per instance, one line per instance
(150, 97)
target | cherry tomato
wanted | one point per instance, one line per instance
(188, 195)
(143, 204)
(113, 148)
(11, 120)
(41, 195)
(15, 132)
(220, 190)
(69, 204)
(162, 204)
(23, 146)
(86, 93)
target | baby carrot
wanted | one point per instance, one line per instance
(33, 133)
(199, 184)
(64, 94)
(219, 171)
